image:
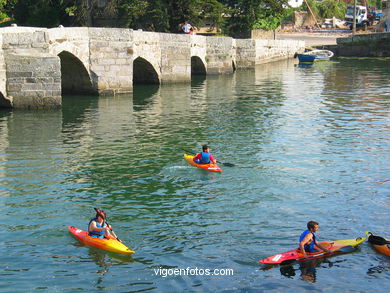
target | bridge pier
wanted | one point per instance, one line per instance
(33, 82)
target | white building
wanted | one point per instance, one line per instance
(295, 3)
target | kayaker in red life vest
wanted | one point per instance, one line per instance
(307, 240)
(205, 157)
(98, 227)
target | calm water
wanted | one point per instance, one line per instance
(308, 143)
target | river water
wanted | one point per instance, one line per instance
(308, 143)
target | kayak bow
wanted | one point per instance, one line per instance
(380, 244)
(111, 244)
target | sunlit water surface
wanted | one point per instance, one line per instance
(308, 143)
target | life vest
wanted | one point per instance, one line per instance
(309, 247)
(205, 159)
(97, 234)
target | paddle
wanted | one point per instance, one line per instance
(223, 163)
(113, 233)
(344, 249)
(377, 240)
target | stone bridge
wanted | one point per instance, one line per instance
(38, 65)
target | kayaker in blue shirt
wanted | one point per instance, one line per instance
(308, 240)
(205, 157)
(98, 226)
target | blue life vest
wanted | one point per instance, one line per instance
(310, 246)
(97, 234)
(205, 158)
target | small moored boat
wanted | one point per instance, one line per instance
(315, 55)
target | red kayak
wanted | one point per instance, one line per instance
(335, 247)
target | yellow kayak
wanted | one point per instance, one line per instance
(111, 244)
(208, 167)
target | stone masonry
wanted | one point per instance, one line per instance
(38, 65)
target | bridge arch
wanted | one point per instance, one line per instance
(144, 72)
(75, 78)
(197, 66)
(4, 102)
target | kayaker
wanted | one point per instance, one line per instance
(308, 239)
(205, 157)
(98, 226)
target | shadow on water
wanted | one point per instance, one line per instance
(308, 269)
(198, 80)
(75, 106)
(143, 95)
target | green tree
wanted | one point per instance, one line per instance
(41, 13)
(246, 15)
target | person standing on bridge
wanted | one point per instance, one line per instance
(188, 28)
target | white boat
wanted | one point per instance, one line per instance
(320, 54)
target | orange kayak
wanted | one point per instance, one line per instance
(380, 244)
(111, 244)
(335, 247)
(208, 167)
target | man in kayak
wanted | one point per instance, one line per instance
(98, 226)
(308, 241)
(205, 157)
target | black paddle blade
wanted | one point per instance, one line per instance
(346, 249)
(377, 240)
(227, 164)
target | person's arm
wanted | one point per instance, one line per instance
(197, 156)
(110, 233)
(212, 159)
(321, 247)
(303, 243)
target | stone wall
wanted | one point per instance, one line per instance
(250, 52)
(263, 34)
(219, 55)
(4, 100)
(110, 57)
(175, 57)
(33, 82)
(245, 53)
(107, 60)
(364, 45)
(267, 50)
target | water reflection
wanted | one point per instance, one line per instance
(308, 269)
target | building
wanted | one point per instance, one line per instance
(295, 3)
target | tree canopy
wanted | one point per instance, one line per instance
(233, 17)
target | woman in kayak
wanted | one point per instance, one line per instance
(205, 157)
(98, 226)
(308, 241)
